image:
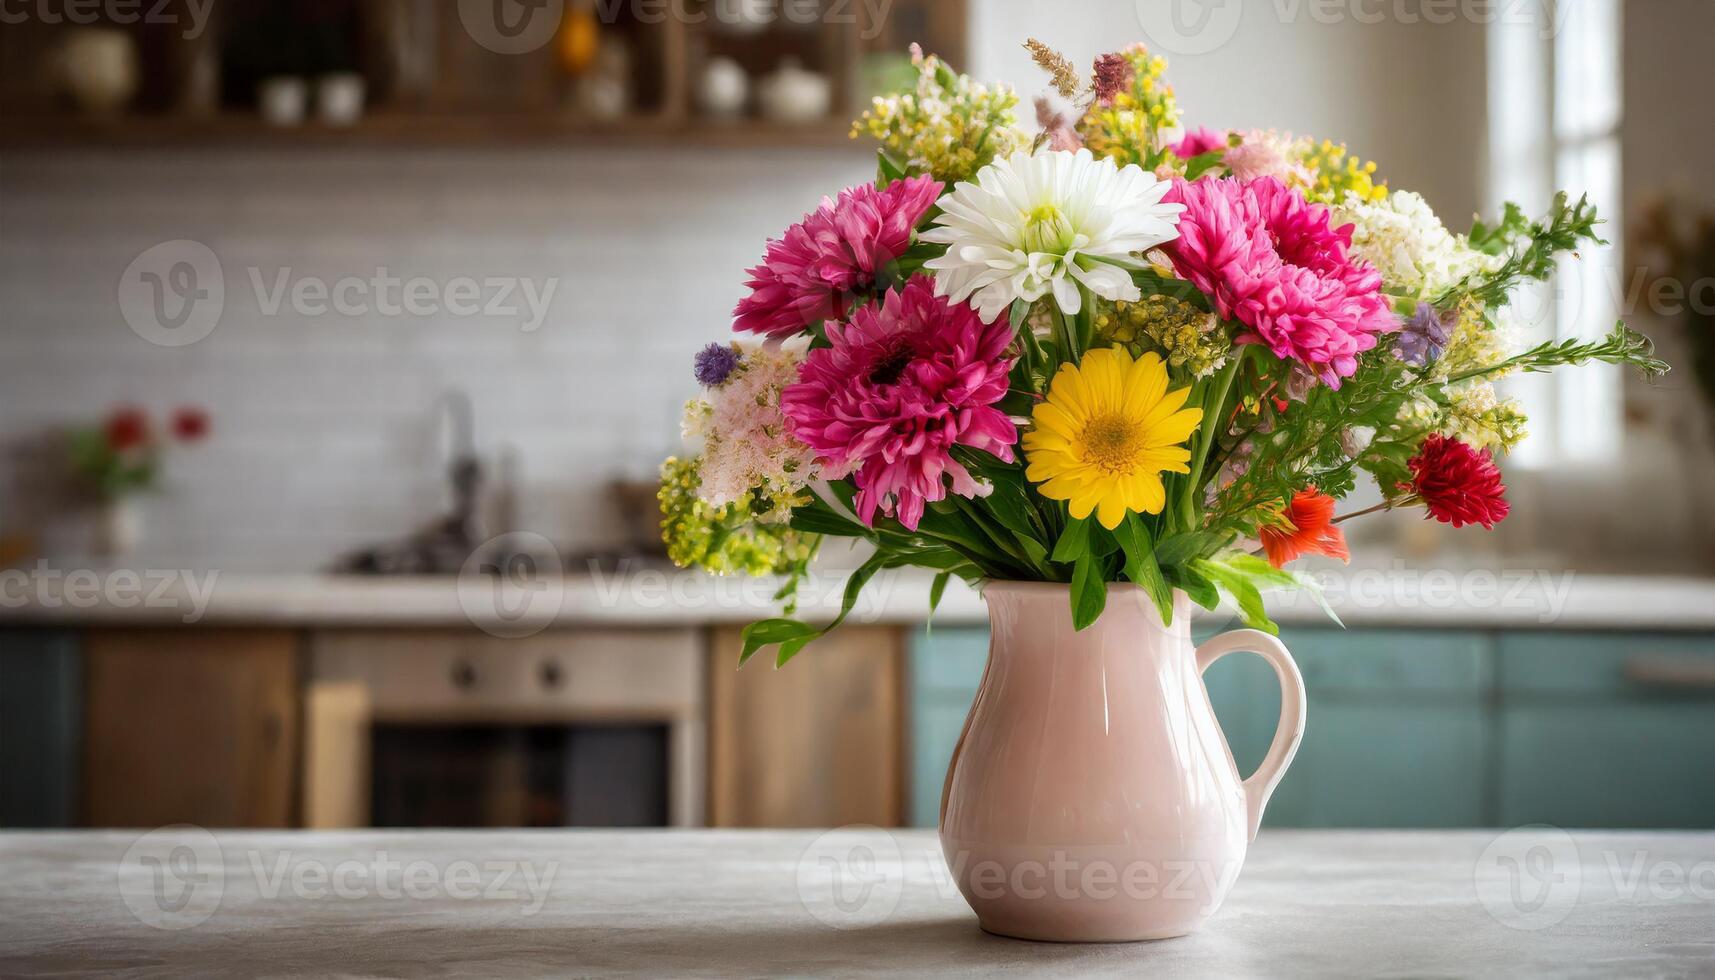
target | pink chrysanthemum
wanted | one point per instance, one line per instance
(903, 383)
(1275, 263)
(809, 273)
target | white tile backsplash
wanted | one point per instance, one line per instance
(325, 426)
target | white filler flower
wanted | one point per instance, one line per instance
(1031, 224)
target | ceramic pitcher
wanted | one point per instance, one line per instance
(1092, 796)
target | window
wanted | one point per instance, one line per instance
(1554, 122)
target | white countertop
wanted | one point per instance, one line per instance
(1397, 596)
(182, 902)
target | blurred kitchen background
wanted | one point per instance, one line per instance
(407, 292)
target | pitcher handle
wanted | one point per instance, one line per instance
(1260, 786)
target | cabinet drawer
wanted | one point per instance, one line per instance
(1616, 663)
(626, 673)
(1391, 660)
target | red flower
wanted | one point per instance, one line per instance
(1459, 484)
(1311, 531)
(190, 424)
(127, 428)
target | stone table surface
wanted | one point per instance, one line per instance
(183, 902)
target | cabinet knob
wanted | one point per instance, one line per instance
(464, 675)
(552, 675)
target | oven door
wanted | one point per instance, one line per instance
(454, 729)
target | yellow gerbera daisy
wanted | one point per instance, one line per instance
(1107, 431)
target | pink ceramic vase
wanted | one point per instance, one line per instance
(1092, 796)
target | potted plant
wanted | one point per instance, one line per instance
(1107, 374)
(121, 458)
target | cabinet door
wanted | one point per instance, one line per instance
(946, 670)
(815, 744)
(190, 726)
(1608, 730)
(41, 700)
(1398, 732)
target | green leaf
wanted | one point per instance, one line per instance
(769, 632)
(1177, 549)
(814, 520)
(888, 170)
(1074, 542)
(790, 649)
(1089, 592)
(792, 635)
(1200, 589)
(1244, 594)
(1202, 163)
(936, 590)
(1141, 567)
(1261, 573)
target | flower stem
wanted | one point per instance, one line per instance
(1380, 508)
(1067, 334)
(1214, 417)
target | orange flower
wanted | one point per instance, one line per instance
(1309, 530)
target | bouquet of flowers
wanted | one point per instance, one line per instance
(1109, 351)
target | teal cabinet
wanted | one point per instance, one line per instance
(1430, 728)
(946, 668)
(1399, 728)
(41, 728)
(1376, 698)
(1607, 730)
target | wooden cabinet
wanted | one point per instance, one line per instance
(816, 744)
(190, 726)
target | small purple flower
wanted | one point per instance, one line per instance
(715, 364)
(1424, 338)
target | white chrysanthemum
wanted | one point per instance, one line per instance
(1415, 253)
(1033, 224)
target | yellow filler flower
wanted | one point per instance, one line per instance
(1107, 431)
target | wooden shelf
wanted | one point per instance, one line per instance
(419, 131)
(433, 84)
